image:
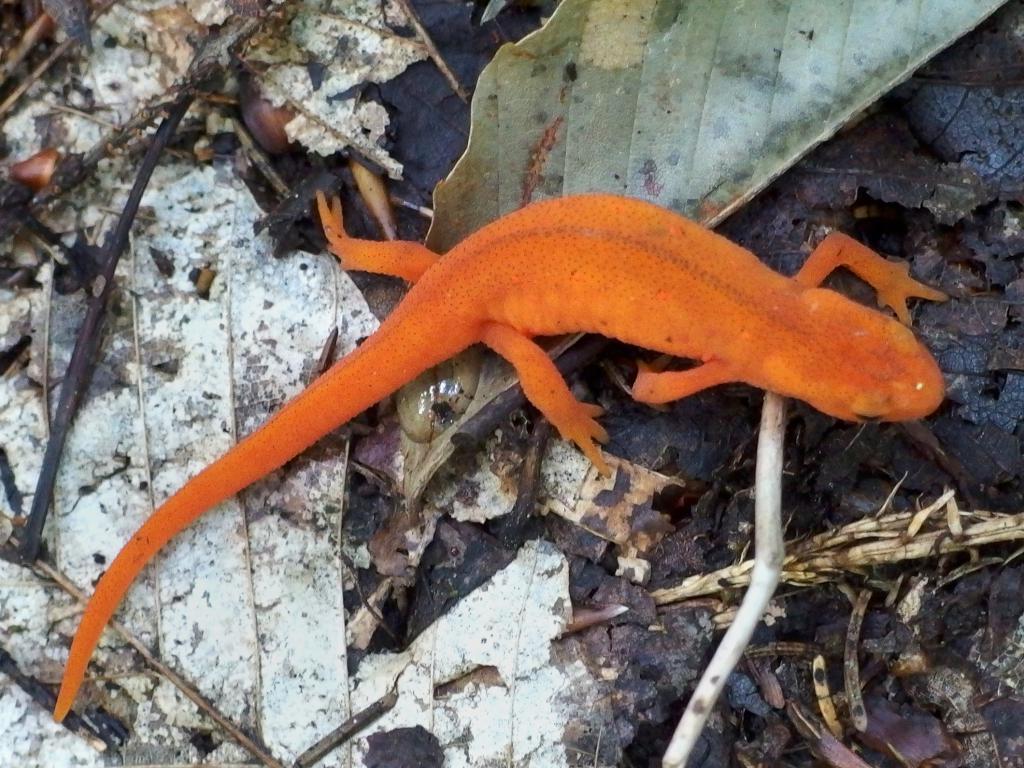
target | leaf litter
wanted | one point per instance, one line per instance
(299, 534)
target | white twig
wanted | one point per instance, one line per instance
(768, 555)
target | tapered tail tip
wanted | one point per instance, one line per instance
(64, 701)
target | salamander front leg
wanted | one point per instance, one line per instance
(547, 390)
(398, 258)
(654, 388)
(890, 279)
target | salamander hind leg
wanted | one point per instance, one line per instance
(654, 387)
(398, 258)
(891, 280)
(547, 390)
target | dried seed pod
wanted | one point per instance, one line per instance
(265, 121)
(202, 278)
(584, 618)
(375, 195)
(35, 172)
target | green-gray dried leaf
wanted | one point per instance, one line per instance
(693, 104)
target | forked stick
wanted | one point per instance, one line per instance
(769, 550)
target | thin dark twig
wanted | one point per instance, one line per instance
(89, 335)
(346, 731)
(7, 482)
(432, 50)
(510, 531)
(44, 696)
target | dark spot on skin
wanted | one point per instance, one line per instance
(699, 707)
(715, 679)
(570, 72)
(819, 676)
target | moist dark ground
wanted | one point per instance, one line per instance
(933, 175)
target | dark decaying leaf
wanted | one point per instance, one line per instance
(648, 671)
(460, 558)
(994, 237)
(1005, 609)
(883, 158)
(429, 123)
(403, 748)
(912, 736)
(1003, 718)
(968, 103)
(766, 750)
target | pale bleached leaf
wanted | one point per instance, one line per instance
(246, 603)
(517, 716)
(346, 44)
(138, 51)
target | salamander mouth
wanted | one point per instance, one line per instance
(865, 418)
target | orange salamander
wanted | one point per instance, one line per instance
(596, 263)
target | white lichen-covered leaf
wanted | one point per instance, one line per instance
(618, 509)
(346, 43)
(209, 12)
(247, 603)
(139, 49)
(518, 716)
(27, 732)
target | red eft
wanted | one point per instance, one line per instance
(597, 263)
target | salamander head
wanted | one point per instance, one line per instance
(874, 368)
(913, 396)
